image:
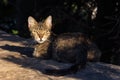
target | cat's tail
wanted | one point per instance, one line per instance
(61, 72)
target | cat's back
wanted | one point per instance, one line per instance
(72, 38)
(66, 46)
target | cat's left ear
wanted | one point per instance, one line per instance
(48, 22)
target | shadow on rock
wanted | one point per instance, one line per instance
(22, 50)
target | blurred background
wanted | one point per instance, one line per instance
(99, 19)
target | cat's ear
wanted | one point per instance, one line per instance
(48, 22)
(32, 22)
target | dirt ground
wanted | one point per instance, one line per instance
(17, 63)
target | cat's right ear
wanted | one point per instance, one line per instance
(31, 22)
(48, 22)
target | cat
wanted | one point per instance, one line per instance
(67, 47)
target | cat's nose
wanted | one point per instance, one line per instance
(40, 39)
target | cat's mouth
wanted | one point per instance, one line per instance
(39, 41)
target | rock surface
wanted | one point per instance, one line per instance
(16, 63)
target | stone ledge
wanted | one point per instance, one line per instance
(15, 65)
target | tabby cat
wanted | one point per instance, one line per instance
(68, 47)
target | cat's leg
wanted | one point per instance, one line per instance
(94, 54)
(81, 59)
(40, 52)
(36, 53)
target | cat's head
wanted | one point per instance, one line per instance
(40, 31)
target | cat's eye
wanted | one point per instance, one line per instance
(47, 31)
(34, 31)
